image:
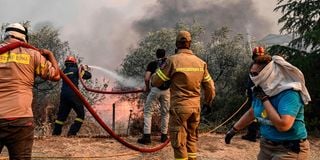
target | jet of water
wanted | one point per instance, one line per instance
(127, 82)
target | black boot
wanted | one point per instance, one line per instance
(145, 139)
(164, 137)
(57, 129)
(74, 128)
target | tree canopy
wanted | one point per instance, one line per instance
(301, 18)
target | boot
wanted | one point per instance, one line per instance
(57, 129)
(145, 139)
(74, 128)
(164, 137)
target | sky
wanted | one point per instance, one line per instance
(102, 31)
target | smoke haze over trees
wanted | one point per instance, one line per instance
(103, 31)
(239, 15)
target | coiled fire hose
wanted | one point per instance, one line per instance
(14, 45)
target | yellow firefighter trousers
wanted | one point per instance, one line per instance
(183, 130)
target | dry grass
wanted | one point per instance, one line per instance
(211, 147)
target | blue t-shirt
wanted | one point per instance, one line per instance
(287, 102)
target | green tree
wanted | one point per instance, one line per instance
(134, 64)
(301, 18)
(228, 62)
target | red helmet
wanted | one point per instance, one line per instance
(258, 51)
(70, 59)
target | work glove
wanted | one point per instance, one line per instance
(85, 67)
(206, 109)
(230, 134)
(264, 121)
(259, 93)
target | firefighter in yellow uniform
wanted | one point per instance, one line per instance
(188, 74)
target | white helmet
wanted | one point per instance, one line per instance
(16, 30)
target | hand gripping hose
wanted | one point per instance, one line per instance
(105, 92)
(14, 45)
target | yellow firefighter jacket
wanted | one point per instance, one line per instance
(187, 74)
(18, 68)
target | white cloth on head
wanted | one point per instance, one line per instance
(279, 75)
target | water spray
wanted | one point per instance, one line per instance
(122, 80)
(128, 82)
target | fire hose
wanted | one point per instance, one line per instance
(14, 45)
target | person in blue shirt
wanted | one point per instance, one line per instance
(278, 103)
(253, 128)
(69, 100)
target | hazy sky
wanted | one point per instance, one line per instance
(101, 31)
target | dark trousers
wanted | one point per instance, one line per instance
(253, 129)
(68, 102)
(17, 136)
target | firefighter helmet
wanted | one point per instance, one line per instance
(258, 51)
(70, 59)
(17, 31)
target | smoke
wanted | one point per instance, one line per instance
(102, 31)
(236, 14)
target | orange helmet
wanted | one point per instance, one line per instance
(70, 59)
(258, 51)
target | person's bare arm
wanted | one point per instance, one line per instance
(281, 122)
(245, 120)
(147, 77)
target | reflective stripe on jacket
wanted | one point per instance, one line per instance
(188, 74)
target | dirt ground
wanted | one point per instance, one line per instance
(211, 147)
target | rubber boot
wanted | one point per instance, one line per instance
(164, 137)
(145, 139)
(74, 128)
(57, 129)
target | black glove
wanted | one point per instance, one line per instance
(259, 93)
(206, 109)
(230, 134)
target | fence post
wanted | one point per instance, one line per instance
(129, 121)
(113, 117)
